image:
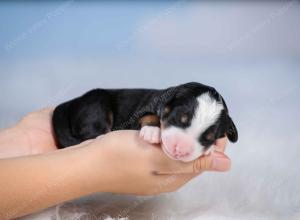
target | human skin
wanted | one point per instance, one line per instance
(35, 175)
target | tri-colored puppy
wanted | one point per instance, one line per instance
(187, 119)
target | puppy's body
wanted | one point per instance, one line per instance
(100, 111)
(177, 109)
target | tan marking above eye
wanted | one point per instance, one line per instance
(149, 120)
(184, 119)
(167, 109)
(209, 136)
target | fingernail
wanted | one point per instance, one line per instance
(220, 162)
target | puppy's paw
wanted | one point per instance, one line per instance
(151, 134)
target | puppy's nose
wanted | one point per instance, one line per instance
(177, 144)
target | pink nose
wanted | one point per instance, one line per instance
(178, 144)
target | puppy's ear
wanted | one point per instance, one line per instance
(231, 131)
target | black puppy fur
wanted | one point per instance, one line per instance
(102, 110)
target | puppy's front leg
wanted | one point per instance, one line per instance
(150, 130)
(151, 134)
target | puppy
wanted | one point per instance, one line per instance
(186, 119)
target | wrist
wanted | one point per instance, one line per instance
(74, 169)
(96, 167)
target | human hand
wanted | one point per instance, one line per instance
(38, 126)
(131, 165)
(216, 160)
(31, 135)
(99, 165)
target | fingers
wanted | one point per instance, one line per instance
(216, 161)
(221, 144)
(47, 111)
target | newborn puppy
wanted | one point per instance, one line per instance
(187, 119)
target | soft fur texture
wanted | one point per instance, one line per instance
(207, 113)
(192, 116)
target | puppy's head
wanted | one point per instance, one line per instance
(192, 120)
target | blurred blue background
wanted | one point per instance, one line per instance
(51, 51)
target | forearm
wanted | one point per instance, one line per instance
(32, 183)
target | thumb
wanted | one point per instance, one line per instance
(216, 161)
